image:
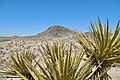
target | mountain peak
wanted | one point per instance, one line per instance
(57, 27)
(55, 31)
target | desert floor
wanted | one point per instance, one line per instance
(17, 45)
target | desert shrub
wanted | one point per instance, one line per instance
(104, 46)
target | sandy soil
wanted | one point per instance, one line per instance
(114, 73)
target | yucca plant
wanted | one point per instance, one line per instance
(63, 64)
(16, 66)
(104, 46)
(60, 62)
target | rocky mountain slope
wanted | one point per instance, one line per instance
(55, 31)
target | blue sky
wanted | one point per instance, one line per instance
(29, 17)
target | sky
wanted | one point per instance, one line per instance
(30, 17)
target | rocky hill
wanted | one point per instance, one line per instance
(55, 31)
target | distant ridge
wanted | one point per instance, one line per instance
(55, 31)
(52, 33)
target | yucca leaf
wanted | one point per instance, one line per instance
(22, 76)
(32, 69)
(44, 71)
